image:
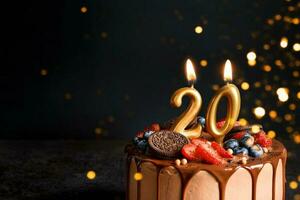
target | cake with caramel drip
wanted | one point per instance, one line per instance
(247, 166)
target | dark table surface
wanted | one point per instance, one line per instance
(56, 169)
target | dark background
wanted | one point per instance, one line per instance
(115, 66)
(106, 69)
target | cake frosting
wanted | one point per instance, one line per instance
(260, 179)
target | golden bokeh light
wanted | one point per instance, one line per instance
(288, 117)
(268, 87)
(198, 29)
(267, 68)
(273, 114)
(282, 94)
(284, 42)
(215, 87)
(292, 106)
(255, 129)
(138, 176)
(245, 86)
(243, 122)
(44, 72)
(91, 175)
(296, 47)
(298, 95)
(296, 138)
(296, 74)
(83, 9)
(251, 55)
(271, 134)
(293, 185)
(203, 63)
(259, 112)
(251, 63)
(98, 130)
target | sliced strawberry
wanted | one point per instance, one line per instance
(155, 127)
(262, 139)
(220, 150)
(198, 141)
(139, 134)
(221, 123)
(189, 152)
(238, 135)
(209, 155)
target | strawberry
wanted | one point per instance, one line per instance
(220, 150)
(221, 123)
(139, 134)
(198, 141)
(155, 127)
(209, 155)
(238, 135)
(262, 139)
(189, 152)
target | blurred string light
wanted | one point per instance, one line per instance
(251, 56)
(243, 122)
(282, 94)
(284, 42)
(83, 9)
(259, 112)
(255, 128)
(245, 86)
(293, 185)
(273, 114)
(203, 63)
(271, 134)
(198, 29)
(91, 175)
(296, 47)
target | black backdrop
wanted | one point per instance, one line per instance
(110, 71)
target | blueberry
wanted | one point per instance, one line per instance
(256, 151)
(147, 134)
(135, 140)
(142, 145)
(231, 144)
(247, 141)
(201, 120)
(241, 150)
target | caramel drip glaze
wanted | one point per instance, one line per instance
(267, 172)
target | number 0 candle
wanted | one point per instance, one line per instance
(231, 92)
(183, 121)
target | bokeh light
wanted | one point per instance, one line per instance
(138, 176)
(259, 112)
(284, 42)
(198, 29)
(91, 175)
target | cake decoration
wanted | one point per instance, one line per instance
(167, 144)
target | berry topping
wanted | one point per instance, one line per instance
(189, 152)
(142, 145)
(262, 139)
(221, 123)
(220, 150)
(231, 144)
(198, 141)
(240, 150)
(155, 127)
(140, 134)
(239, 135)
(247, 141)
(147, 134)
(209, 155)
(256, 151)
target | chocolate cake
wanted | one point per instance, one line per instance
(151, 176)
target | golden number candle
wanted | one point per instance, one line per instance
(184, 120)
(232, 94)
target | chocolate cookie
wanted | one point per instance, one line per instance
(167, 144)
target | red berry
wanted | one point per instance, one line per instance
(220, 150)
(140, 134)
(189, 152)
(238, 135)
(155, 127)
(198, 141)
(262, 139)
(209, 155)
(221, 123)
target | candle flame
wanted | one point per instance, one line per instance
(189, 70)
(228, 71)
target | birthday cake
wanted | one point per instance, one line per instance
(197, 158)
